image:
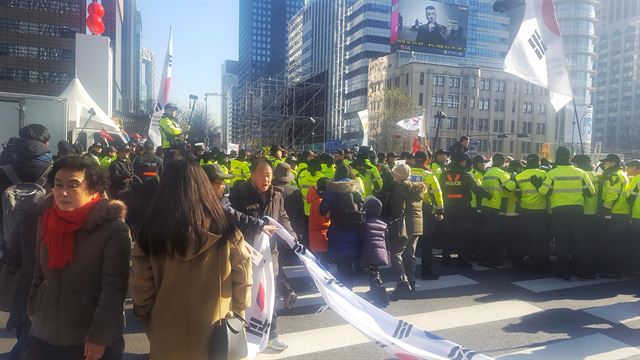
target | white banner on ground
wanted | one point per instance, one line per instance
(262, 297)
(397, 337)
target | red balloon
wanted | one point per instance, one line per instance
(95, 8)
(95, 24)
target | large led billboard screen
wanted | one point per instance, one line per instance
(429, 26)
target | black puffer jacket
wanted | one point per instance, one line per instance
(246, 199)
(31, 160)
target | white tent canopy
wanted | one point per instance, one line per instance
(79, 104)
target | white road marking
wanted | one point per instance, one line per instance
(554, 283)
(592, 347)
(334, 337)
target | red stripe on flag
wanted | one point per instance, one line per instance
(261, 297)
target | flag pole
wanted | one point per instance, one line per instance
(575, 110)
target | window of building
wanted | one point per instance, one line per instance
(498, 126)
(541, 128)
(511, 146)
(498, 106)
(420, 99)
(472, 103)
(472, 82)
(526, 127)
(437, 99)
(541, 109)
(452, 123)
(472, 123)
(421, 78)
(453, 101)
(438, 80)
(542, 91)
(515, 89)
(513, 127)
(464, 123)
(499, 85)
(406, 80)
(527, 108)
(485, 84)
(528, 89)
(454, 82)
(483, 104)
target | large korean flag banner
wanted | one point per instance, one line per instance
(258, 316)
(399, 338)
(537, 55)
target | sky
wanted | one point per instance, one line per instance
(205, 34)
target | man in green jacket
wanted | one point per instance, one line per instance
(173, 135)
(567, 186)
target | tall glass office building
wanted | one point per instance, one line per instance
(263, 37)
(577, 20)
(617, 99)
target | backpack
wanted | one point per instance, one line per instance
(16, 200)
(348, 214)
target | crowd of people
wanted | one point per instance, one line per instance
(169, 226)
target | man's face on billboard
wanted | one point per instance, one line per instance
(431, 15)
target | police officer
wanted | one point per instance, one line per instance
(240, 168)
(440, 163)
(478, 168)
(457, 187)
(633, 261)
(533, 211)
(121, 173)
(593, 228)
(147, 165)
(432, 212)
(494, 211)
(173, 135)
(567, 187)
(367, 172)
(615, 211)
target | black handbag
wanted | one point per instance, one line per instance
(228, 339)
(228, 336)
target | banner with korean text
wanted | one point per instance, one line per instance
(399, 338)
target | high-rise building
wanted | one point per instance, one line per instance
(113, 28)
(361, 34)
(311, 39)
(262, 57)
(263, 37)
(617, 96)
(147, 81)
(131, 33)
(577, 20)
(37, 46)
(498, 111)
(228, 110)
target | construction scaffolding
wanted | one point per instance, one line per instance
(273, 110)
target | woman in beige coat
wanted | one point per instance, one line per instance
(191, 267)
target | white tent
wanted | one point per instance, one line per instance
(79, 104)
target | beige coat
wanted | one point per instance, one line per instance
(180, 299)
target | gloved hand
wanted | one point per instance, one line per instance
(513, 176)
(536, 181)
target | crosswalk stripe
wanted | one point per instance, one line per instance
(335, 337)
(626, 313)
(444, 282)
(553, 283)
(591, 347)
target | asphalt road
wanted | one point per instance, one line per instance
(506, 313)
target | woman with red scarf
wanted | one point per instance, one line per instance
(82, 267)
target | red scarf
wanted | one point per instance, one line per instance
(59, 231)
